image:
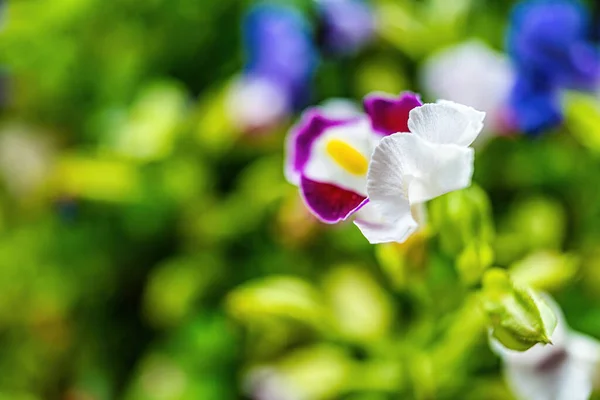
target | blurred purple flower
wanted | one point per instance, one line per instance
(347, 24)
(279, 49)
(549, 43)
(280, 63)
(535, 105)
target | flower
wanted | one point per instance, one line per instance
(363, 165)
(549, 45)
(328, 157)
(256, 104)
(473, 74)
(564, 370)
(280, 62)
(428, 160)
(347, 24)
(535, 104)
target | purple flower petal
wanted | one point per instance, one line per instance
(312, 125)
(347, 24)
(328, 202)
(388, 114)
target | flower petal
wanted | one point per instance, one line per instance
(347, 24)
(583, 347)
(341, 155)
(378, 230)
(446, 123)
(404, 166)
(564, 379)
(328, 202)
(311, 126)
(390, 114)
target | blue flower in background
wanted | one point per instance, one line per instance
(347, 25)
(279, 49)
(549, 44)
(535, 104)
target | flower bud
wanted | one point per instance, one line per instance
(518, 316)
(473, 261)
(461, 217)
(402, 262)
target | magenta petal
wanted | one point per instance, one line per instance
(390, 115)
(328, 202)
(312, 125)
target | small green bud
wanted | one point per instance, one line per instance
(473, 260)
(460, 217)
(518, 316)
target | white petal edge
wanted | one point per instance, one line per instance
(446, 122)
(378, 230)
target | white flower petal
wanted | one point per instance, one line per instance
(446, 123)
(584, 348)
(380, 230)
(567, 380)
(404, 166)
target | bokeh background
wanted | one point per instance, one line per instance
(151, 248)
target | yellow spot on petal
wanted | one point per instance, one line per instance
(347, 157)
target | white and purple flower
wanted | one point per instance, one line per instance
(382, 165)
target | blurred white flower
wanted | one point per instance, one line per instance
(26, 159)
(256, 104)
(564, 370)
(473, 74)
(266, 383)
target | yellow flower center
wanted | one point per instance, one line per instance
(347, 157)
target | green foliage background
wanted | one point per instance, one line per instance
(157, 253)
